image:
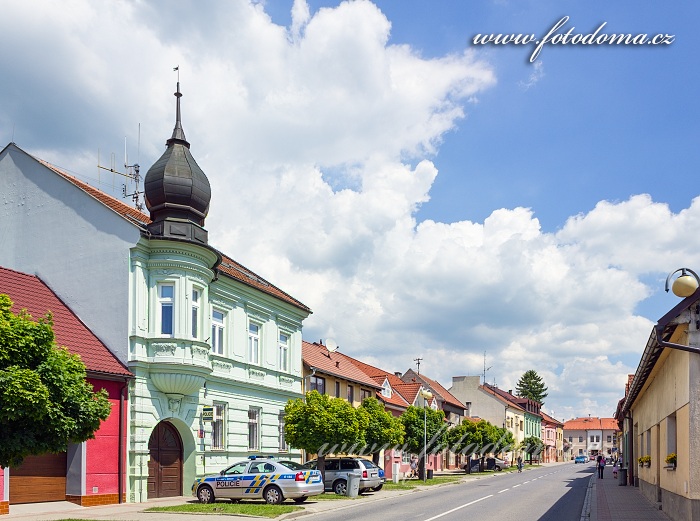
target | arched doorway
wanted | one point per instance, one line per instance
(165, 464)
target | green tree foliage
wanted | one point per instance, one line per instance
(531, 385)
(323, 425)
(532, 446)
(45, 400)
(436, 432)
(464, 438)
(384, 430)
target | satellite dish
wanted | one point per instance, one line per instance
(331, 345)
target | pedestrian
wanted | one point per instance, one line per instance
(601, 466)
(414, 466)
(615, 469)
(520, 463)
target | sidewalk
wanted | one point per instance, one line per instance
(609, 501)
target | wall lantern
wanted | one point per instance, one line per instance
(686, 283)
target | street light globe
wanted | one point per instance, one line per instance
(426, 394)
(684, 286)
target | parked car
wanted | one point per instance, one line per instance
(267, 478)
(581, 459)
(499, 465)
(337, 470)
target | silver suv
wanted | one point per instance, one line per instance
(338, 468)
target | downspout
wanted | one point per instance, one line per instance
(120, 461)
(629, 449)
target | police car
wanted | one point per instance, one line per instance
(267, 478)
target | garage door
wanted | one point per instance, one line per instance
(39, 479)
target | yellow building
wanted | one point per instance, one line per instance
(660, 414)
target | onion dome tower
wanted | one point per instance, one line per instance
(177, 191)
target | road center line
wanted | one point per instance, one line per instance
(504, 490)
(459, 507)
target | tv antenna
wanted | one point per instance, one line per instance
(485, 368)
(418, 361)
(132, 173)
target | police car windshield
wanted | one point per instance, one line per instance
(293, 465)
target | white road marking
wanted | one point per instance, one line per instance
(459, 507)
(504, 490)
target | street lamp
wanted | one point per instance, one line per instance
(686, 283)
(427, 395)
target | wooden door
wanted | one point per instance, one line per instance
(165, 464)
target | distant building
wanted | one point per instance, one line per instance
(553, 439)
(591, 436)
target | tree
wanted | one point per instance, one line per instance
(383, 430)
(532, 446)
(434, 429)
(322, 425)
(45, 400)
(464, 438)
(531, 386)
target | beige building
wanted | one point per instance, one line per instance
(590, 436)
(661, 413)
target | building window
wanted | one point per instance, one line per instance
(282, 441)
(580, 439)
(386, 390)
(597, 439)
(405, 457)
(253, 343)
(284, 352)
(592, 439)
(317, 383)
(166, 298)
(253, 428)
(337, 389)
(195, 313)
(217, 332)
(648, 437)
(218, 427)
(609, 439)
(351, 393)
(671, 434)
(364, 393)
(571, 439)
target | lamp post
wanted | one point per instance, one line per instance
(686, 283)
(427, 395)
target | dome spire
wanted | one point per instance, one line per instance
(177, 190)
(178, 132)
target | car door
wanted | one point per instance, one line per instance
(229, 484)
(256, 477)
(331, 468)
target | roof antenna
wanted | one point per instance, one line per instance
(418, 361)
(485, 368)
(132, 173)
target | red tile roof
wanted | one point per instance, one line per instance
(334, 364)
(591, 424)
(228, 266)
(30, 293)
(550, 419)
(380, 376)
(446, 395)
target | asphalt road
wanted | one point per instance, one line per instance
(549, 493)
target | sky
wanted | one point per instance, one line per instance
(486, 208)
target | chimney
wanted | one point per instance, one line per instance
(398, 373)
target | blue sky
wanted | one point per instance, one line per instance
(425, 196)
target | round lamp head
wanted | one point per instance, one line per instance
(684, 286)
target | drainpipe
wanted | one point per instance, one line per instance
(120, 461)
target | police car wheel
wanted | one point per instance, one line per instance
(340, 487)
(273, 495)
(205, 494)
(378, 488)
(300, 499)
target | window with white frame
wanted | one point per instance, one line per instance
(284, 352)
(166, 301)
(253, 343)
(386, 390)
(217, 332)
(218, 427)
(254, 428)
(194, 305)
(282, 441)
